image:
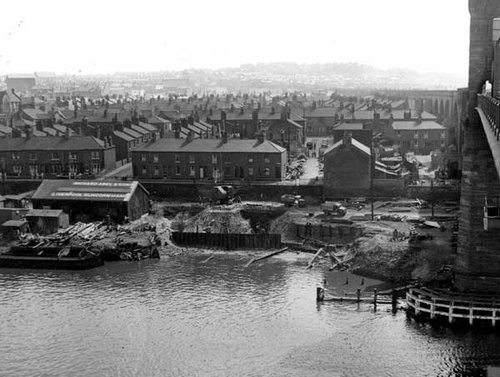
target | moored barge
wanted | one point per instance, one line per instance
(50, 257)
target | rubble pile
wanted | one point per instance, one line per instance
(112, 242)
(218, 219)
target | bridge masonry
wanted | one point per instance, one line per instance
(478, 261)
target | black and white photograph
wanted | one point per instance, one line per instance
(279, 188)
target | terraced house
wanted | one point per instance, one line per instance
(34, 157)
(210, 159)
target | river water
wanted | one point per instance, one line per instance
(181, 317)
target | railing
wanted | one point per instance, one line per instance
(491, 109)
(436, 304)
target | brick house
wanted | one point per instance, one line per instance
(421, 137)
(347, 168)
(210, 159)
(31, 156)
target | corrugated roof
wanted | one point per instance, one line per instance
(51, 143)
(414, 125)
(100, 191)
(212, 145)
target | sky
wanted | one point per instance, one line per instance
(106, 36)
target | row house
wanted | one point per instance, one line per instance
(210, 159)
(421, 137)
(284, 128)
(32, 157)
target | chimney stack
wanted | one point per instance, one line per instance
(261, 136)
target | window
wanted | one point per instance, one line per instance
(214, 158)
(399, 133)
(266, 159)
(143, 157)
(95, 155)
(177, 169)
(71, 155)
(166, 171)
(416, 144)
(415, 135)
(250, 159)
(15, 156)
(33, 170)
(144, 169)
(96, 167)
(192, 172)
(426, 134)
(55, 168)
(267, 171)
(443, 134)
(55, 156)
(177, 158)
(442, 143)
(17, 169)
(73, 168)
(191, 158)
(156, 170)
(155, 158)
(250, 171)
(33, 156)
(277, 171)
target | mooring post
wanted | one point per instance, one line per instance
(320, 294)
(375, 298)
(394, 301)
(358, 294)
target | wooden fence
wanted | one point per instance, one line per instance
(437, 304)
(228, 241)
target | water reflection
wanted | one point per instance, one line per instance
(181, 317)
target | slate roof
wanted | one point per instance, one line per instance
(123, 135)
(131, 132)
(348, 126)
(363, 148)
(44, 213)
(147, 127)
(411, 125)
(51, 143)
(212, 145)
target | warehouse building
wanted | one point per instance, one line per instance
(93, 200)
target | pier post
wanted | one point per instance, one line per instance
(494, 319)
(433, 308)
(375, 298)
(471, 314)
(358, 294)
(394, 301)
(450, 312)
(320, 294)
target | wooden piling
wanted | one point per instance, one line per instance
(358, 294)
(375, 298)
